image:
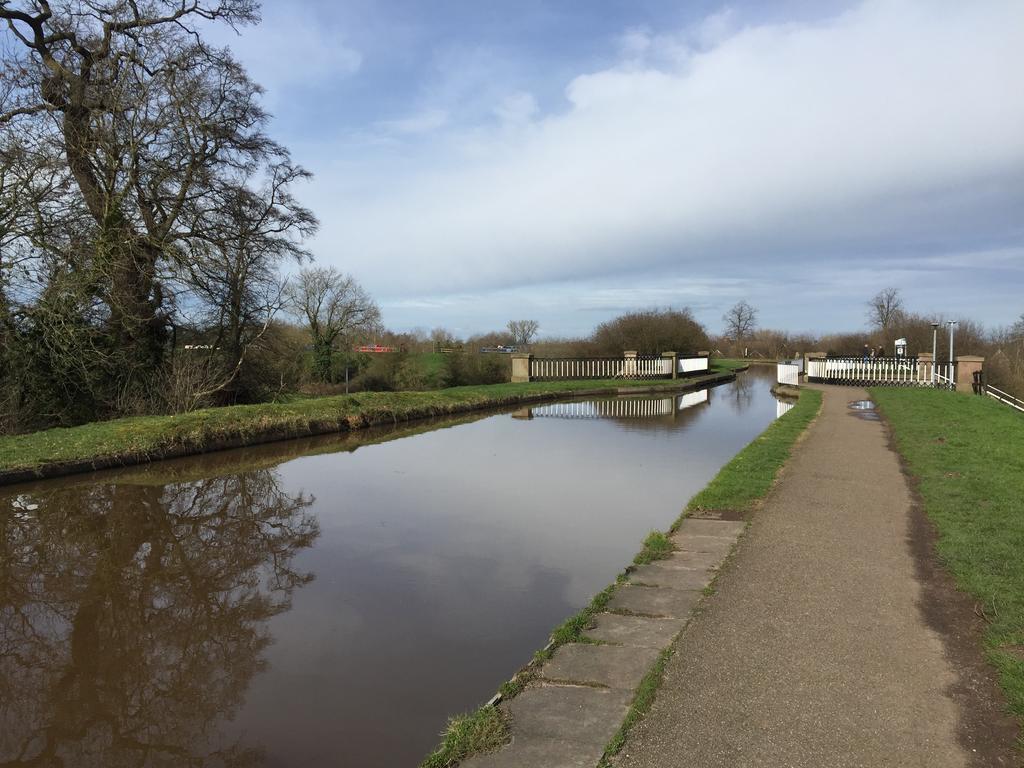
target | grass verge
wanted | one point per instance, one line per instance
(967, 454)
(775, 445)
(752, 471)
(136, 440)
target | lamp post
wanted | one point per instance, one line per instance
(952, 327)
(935, 348)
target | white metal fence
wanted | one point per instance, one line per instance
(1004, 397)
(788, 373)
(881, 371)
(552, 368)
(693, 364)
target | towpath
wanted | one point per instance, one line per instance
(818, 648)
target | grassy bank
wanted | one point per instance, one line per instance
(757, 464)
(967, 454)
(135, 440)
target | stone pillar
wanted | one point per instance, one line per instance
(808, 356)
(629, 368)
(521, 368)
(675, 362)
(924, 365)
(966, 367)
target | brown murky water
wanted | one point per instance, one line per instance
(329, 602)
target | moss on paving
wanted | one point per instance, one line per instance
(967, 454)
(771, 452)
(156, 436)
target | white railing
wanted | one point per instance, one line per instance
(693, 364)
(787, 373)
(882, 371)
(600, 368)
(1004, 397)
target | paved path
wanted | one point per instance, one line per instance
(814, 651)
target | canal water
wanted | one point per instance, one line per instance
(330, 602)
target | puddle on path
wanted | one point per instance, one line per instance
(864, 409)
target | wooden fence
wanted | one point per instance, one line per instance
(553, 368)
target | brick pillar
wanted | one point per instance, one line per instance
(966, 366)
(675, 362)
(521, 368)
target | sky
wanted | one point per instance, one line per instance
(568, 161)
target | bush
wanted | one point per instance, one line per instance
(467, 368)
(650, 332)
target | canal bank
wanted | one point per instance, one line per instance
(577, 700)
(139, 440)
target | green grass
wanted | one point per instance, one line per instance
(657, 546)
(967, 453)
(751, 473)
(484, 730)
(728, 363)
(194, 432)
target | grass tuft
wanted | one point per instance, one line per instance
(482, 731)
(657, 546)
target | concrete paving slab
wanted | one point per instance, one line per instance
(654, 601)
(582, 714)
(721, 528)
(658, 575)
(611, 665)
(538, 752)
(635, 630)
(696, 560)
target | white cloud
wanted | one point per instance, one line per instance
(895, 127)
(421, 122)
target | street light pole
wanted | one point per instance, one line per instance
(952, 327)
(935, 348)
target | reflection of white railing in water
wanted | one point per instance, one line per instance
(884, 371)
(782, 407)
(1004, 397)
(626, 408)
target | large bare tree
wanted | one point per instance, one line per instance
(151, 125)
(885, 309)
(336, 308)
(740, 320)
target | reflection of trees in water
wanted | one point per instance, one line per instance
(132, 617)
(742, 392)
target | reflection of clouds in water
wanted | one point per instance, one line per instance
(134, 616)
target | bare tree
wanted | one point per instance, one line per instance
(336, 307)
(885, 309)
(151, 124)
(523, 331)
(235, 275)
(740, 320)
